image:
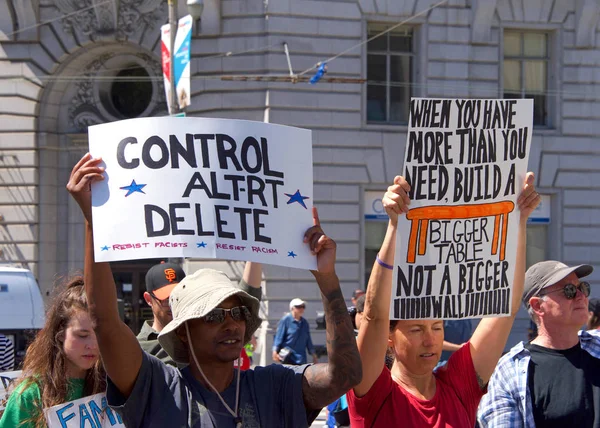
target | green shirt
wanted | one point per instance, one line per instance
(21, 405)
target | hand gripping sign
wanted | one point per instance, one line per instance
(465, 162)
(205, 188)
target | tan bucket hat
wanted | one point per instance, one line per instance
(194, 297)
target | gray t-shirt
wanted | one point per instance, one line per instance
(164, 396)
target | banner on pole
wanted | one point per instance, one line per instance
(465, 161)
(181, 60)
(165, 53)
(205, 188)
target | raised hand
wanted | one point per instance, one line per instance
(84, 173)
(396, 200)
(529, 199)
(321, 245)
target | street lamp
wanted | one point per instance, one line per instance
(195, 8)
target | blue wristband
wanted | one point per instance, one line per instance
(382, 263)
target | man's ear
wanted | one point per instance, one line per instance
(536, 305)
(148, 298)
(180, 332)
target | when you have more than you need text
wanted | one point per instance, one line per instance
(460, 163)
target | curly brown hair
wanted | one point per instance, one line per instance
(45, 361)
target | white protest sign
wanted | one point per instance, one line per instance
(92, 412)
(205, 188)
(456, 248)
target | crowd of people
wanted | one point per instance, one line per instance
(184, 368)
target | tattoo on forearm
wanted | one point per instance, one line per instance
(324, 383)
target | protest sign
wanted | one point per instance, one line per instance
(455, 249)
(205, 188)
(87, 412)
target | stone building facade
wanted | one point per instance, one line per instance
(59, 59)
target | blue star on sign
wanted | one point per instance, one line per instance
(201, 244)
(297, 197)
(105, 248)
(292, 254)
(133, 187)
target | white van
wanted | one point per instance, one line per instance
(21, 308)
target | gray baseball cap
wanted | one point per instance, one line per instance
(545, 274)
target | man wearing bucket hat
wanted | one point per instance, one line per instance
(161, 279)
(212, 319)
(552, 380)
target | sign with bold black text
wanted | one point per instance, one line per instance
(205, 188)
(465, 161)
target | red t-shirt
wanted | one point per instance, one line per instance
(454, 404)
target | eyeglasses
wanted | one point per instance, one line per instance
(164, 303)
(217, 315)
(300, 307)
(570, 290)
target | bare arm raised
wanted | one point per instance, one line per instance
(120, 351)
(253, 274)
(324, 383)
(374, 327)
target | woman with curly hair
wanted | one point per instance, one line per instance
(62, 363)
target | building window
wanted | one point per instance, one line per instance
(389, 74)
(526, 59)
(131, 92)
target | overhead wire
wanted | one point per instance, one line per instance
(392, 28)
(213, 56)
(439, 84)
(432, 83)
(230, 53)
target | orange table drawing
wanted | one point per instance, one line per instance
(420, 217)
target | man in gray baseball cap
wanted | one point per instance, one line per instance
(552, 380)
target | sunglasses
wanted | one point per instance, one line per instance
(217, 315)
(164, 303)
(570, 290)
(300, 307)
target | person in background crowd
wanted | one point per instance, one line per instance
(456, 334)
(250, 348)
(7, 354)
(411, 393)
(360, 308)
(355, 295)
(594, 320)
(160, 281)
(212, 320)
(292, 338)
(552, 380)
(62, 363)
